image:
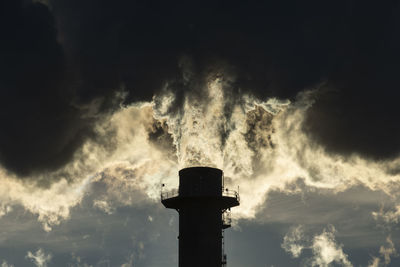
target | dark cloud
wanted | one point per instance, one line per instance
(274, 48)
(40, 129)
(358, 113)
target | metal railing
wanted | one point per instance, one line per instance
(230, 193)
(169, 193)
(175, 192)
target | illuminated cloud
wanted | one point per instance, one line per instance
(293, 241)
(325, 250)
(260, 145)
(40, 258)
(62, 70)
(206, 117)
(101, 102)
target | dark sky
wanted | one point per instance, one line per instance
(56, 59)
(73, 74)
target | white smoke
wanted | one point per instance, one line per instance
(259, 144)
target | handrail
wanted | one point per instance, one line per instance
(169, 194)
(175, 193)
(231, 193)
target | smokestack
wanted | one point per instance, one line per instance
(204, 206)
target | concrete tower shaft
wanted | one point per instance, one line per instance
(201, 201)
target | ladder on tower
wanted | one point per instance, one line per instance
(224, 261)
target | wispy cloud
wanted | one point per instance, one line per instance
(40, 258)
(6, 264)
(294, 241)
(325, 250)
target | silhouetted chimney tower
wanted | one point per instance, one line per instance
(204, 212)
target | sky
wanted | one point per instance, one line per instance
(102, 102)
